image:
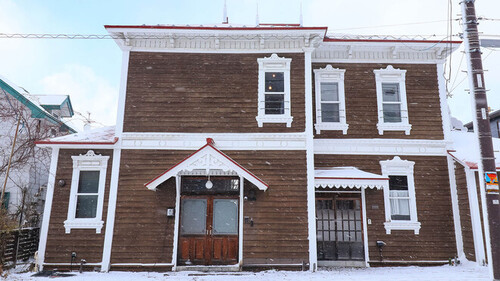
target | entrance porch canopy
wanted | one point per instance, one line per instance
(348, 177)
(207, 158)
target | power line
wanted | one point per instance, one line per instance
(392, 25)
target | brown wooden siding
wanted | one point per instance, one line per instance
(209, 93)
(424, 108)
(464, 210)
(436, 240)
(86, 243)
(143, 233)
(480, 206)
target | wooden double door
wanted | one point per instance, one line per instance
(208, 231)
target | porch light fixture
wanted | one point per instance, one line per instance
(209, 183)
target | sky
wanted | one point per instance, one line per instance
(89, 70)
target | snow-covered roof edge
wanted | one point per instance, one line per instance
(29, 100)
(103, 135)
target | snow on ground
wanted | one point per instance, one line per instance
(468, 272)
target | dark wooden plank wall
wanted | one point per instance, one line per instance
(143, 234)
(86, 243)
(209, 93)
(464, 210)
(436, 240)
(480, 198)
(280, 231)
(424, 108)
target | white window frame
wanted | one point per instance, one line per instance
(88, 162)
(399, 167)
(274, 64)
(330, 75)
(398, 76)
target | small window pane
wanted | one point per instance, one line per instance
(86, 206)
(330, 112)
(194, 216)
(225, 220)
(275, 82)
(88, 182)
(197, 185)
(390, 92)
(398, 183)
(400, 209)
(329, 92)
(392, 113)
(275, 104)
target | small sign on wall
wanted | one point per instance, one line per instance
(491, 180)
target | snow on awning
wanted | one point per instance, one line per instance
(348, 177)
(207, 158)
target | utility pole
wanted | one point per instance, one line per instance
(481, 121)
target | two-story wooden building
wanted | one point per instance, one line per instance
(254, 147)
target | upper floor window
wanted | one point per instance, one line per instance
(399, 199)
(391, 100)
(330, 99)
(87, 192)
(274, 91)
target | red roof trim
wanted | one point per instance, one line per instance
(389, 40)
(334, 178)
(288, 27)
(76, 142)
(210, 145)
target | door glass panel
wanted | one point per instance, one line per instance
(225, 220)
(194, 216)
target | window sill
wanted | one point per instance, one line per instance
(278, 118)
(83, 224)
(402, 225)
(331, 127)
(393, 127)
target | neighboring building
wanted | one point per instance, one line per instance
(41, 118)
(469, 193)
(256, 147)
(494, 124)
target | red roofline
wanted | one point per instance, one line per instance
(77, 142)
(327, 39)
(210, 145)
(279, 27)
(335, 178)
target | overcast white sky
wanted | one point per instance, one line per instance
(89, 70)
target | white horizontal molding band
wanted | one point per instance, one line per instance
(381, 147)
(193, 141)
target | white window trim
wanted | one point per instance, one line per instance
(399, 167)
(274, 64)
(334, 75)
(88, 162)
(392, 75)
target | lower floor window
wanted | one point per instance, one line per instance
(399, 198)
(88, 193)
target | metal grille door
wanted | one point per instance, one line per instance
(339, 229)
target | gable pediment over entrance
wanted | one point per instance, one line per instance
(207, 158)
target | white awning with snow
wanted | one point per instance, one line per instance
(348, 177)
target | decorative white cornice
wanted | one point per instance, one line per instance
(389, 52)
(216, 40)
(187, 141)
(380, 147)
(90, 159)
